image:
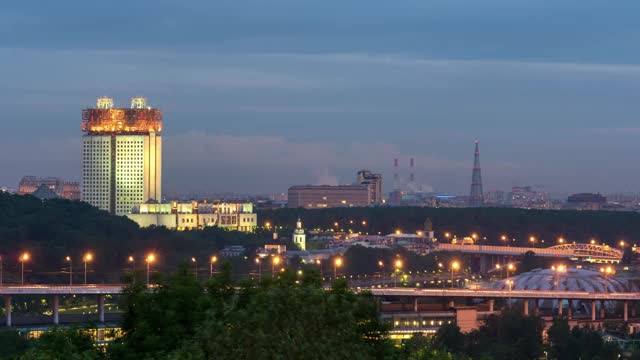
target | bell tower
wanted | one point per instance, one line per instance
(299, 238)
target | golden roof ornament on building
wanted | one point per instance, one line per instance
(138, 103)
(104, 103)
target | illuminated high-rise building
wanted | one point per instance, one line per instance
(121, 155)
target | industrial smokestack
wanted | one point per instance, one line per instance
(411, 175)
(395, 174)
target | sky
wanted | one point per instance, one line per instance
(259, 95)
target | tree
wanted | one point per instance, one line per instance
(449, 338)
(291, 317)
(72, 344)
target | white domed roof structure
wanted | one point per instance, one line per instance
(572, 280)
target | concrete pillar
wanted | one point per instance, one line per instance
(536, 307)
(452, 303)
(101, 308)
(483, 264)
(56, 309)
(593, 310)
(626, 311)
(602, 313)
(633, 311)
(559, 307)
(525, 303)
(491, 304)
(415, 304)
(7, 306)
(570, 310)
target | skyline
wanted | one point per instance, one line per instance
(306, 95)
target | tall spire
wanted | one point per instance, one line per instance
(476, 198)
(299, 238)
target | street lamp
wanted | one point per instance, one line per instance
(560, 240)
(622, 243)
(88, 257)
(132, 260)
(381, 265)
(24, 257)
(259, 269)
(510, 284)
(533, 241)
(68, 258)
(510, 267)
(212, 261)
(274, 262)
(398, 266)
(606, 271)
(454, 266)
(336, 264)
(558, 270)
(195, 264)
(150, 259)
(319, 263)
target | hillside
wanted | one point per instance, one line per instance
(547, 225)
(53, 229)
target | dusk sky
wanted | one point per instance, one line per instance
(259, 95)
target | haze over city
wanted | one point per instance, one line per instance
(308, 93)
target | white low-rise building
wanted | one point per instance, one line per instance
(194, 215)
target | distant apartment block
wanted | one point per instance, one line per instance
(194, 215)
(328, 196)
(63, 189)
(374, 182)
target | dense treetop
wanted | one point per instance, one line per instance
(521, 224)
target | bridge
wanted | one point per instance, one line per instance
(55, 291)
(417, 308)
(588, 252)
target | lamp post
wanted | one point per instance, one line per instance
(213, 260)
(23, 258)
(454, 266)
(532, 239)
(259, 269)
(336, 264)
(88, 257)
(510, 284)
(398, 265)
(195, 264)
(381, 265)
(319, 262)
(70, 270)
(510, 267)
(504, 239)
(558, 270)
(132, 260)
(274, 262)
(150, 259)
(606, 271)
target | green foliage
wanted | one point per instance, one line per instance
(53, 229)
(508, 336)
(449, 338)
(548, 225)
(12, 344)
(289, 318)
(57, 344)
(578, 343)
